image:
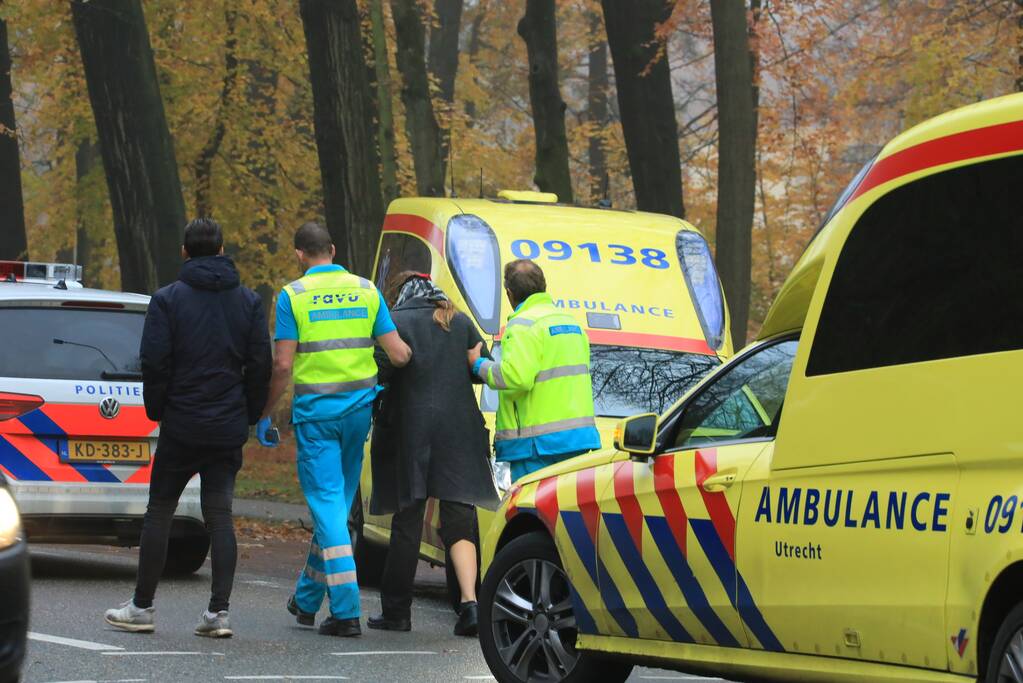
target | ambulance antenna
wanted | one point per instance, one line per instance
(481, 182)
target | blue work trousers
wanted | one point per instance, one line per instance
(329, 464)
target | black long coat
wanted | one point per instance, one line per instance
(429, 438)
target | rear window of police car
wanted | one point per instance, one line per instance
(95, 343)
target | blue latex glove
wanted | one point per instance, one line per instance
(263, 428)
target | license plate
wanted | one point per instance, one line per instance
(108, 451)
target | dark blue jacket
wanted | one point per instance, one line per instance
(206, 357)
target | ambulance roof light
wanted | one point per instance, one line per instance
(33, 271)
(528, 196)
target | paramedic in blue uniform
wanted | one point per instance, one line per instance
(327, 323)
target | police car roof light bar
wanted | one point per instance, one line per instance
(34, 271)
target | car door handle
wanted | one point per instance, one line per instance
(719, 482)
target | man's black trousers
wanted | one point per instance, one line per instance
(174, 465)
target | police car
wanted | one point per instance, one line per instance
(76, 447)
(870, 531)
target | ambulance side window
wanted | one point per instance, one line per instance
(931, 270)
(744, 403)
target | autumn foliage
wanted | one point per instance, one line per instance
(835, 80)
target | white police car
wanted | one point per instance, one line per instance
(76, 447)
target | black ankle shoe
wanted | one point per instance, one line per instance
(304, 618)
(343, 628)
(468, 619)
(383, 623)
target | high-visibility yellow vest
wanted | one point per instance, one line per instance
(335, 312)
(545, 394)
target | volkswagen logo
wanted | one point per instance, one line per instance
(109, 408)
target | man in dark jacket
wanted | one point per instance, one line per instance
(206, 366)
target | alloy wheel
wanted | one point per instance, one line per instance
(1011, 669)
(533, 621)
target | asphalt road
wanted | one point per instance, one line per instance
(72, 586)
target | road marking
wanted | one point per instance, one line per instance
(71, 642)
(118, 680)
(382, 652)
(257, 582)
(286, 678)
(156, 653)
(480, 678)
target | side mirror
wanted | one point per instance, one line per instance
(637, 435)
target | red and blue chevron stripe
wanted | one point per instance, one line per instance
(34, 446)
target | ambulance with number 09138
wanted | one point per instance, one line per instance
(840, 501)
(642, 285)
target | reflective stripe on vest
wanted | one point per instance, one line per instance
(335, 387)
(545, 428)
(335, 344)
(561, 371)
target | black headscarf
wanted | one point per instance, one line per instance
(419, 287)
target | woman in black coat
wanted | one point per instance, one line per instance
(429, 441)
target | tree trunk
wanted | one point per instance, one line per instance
(596, 108)
(344, 120)
(1019, 47)
(138, 154)
(420, 122)
(13, 240)
(385, 125)
(442, 62)
(736, 151)
(645, 102)
(475, 30)
(86, 157)
(538, 28)
(203, 166)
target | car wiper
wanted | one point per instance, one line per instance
(114, 374)
(123, 376)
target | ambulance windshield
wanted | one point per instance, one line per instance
(628, 381)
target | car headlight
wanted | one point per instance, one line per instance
(502, 475)
(10, 520)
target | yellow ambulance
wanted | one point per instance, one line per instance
(643, 286)
(843, 499)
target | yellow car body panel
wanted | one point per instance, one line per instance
(871, 539)
(623, 265)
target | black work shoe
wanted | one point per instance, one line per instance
(343, 628)
(468, 619)
(304, 618)
(383, 623)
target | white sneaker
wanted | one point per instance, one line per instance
(128, 617)
(214, 625)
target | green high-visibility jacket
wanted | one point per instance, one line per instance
(334, 312)
(545, 395)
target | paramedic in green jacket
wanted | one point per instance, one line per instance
(328, 322)
(545, 408)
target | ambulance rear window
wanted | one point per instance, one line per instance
(31, 353)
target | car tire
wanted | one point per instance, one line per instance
(186, 554)
(513, 571)
(369, 557)
(1008, 643)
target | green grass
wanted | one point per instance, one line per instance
(269, 473)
